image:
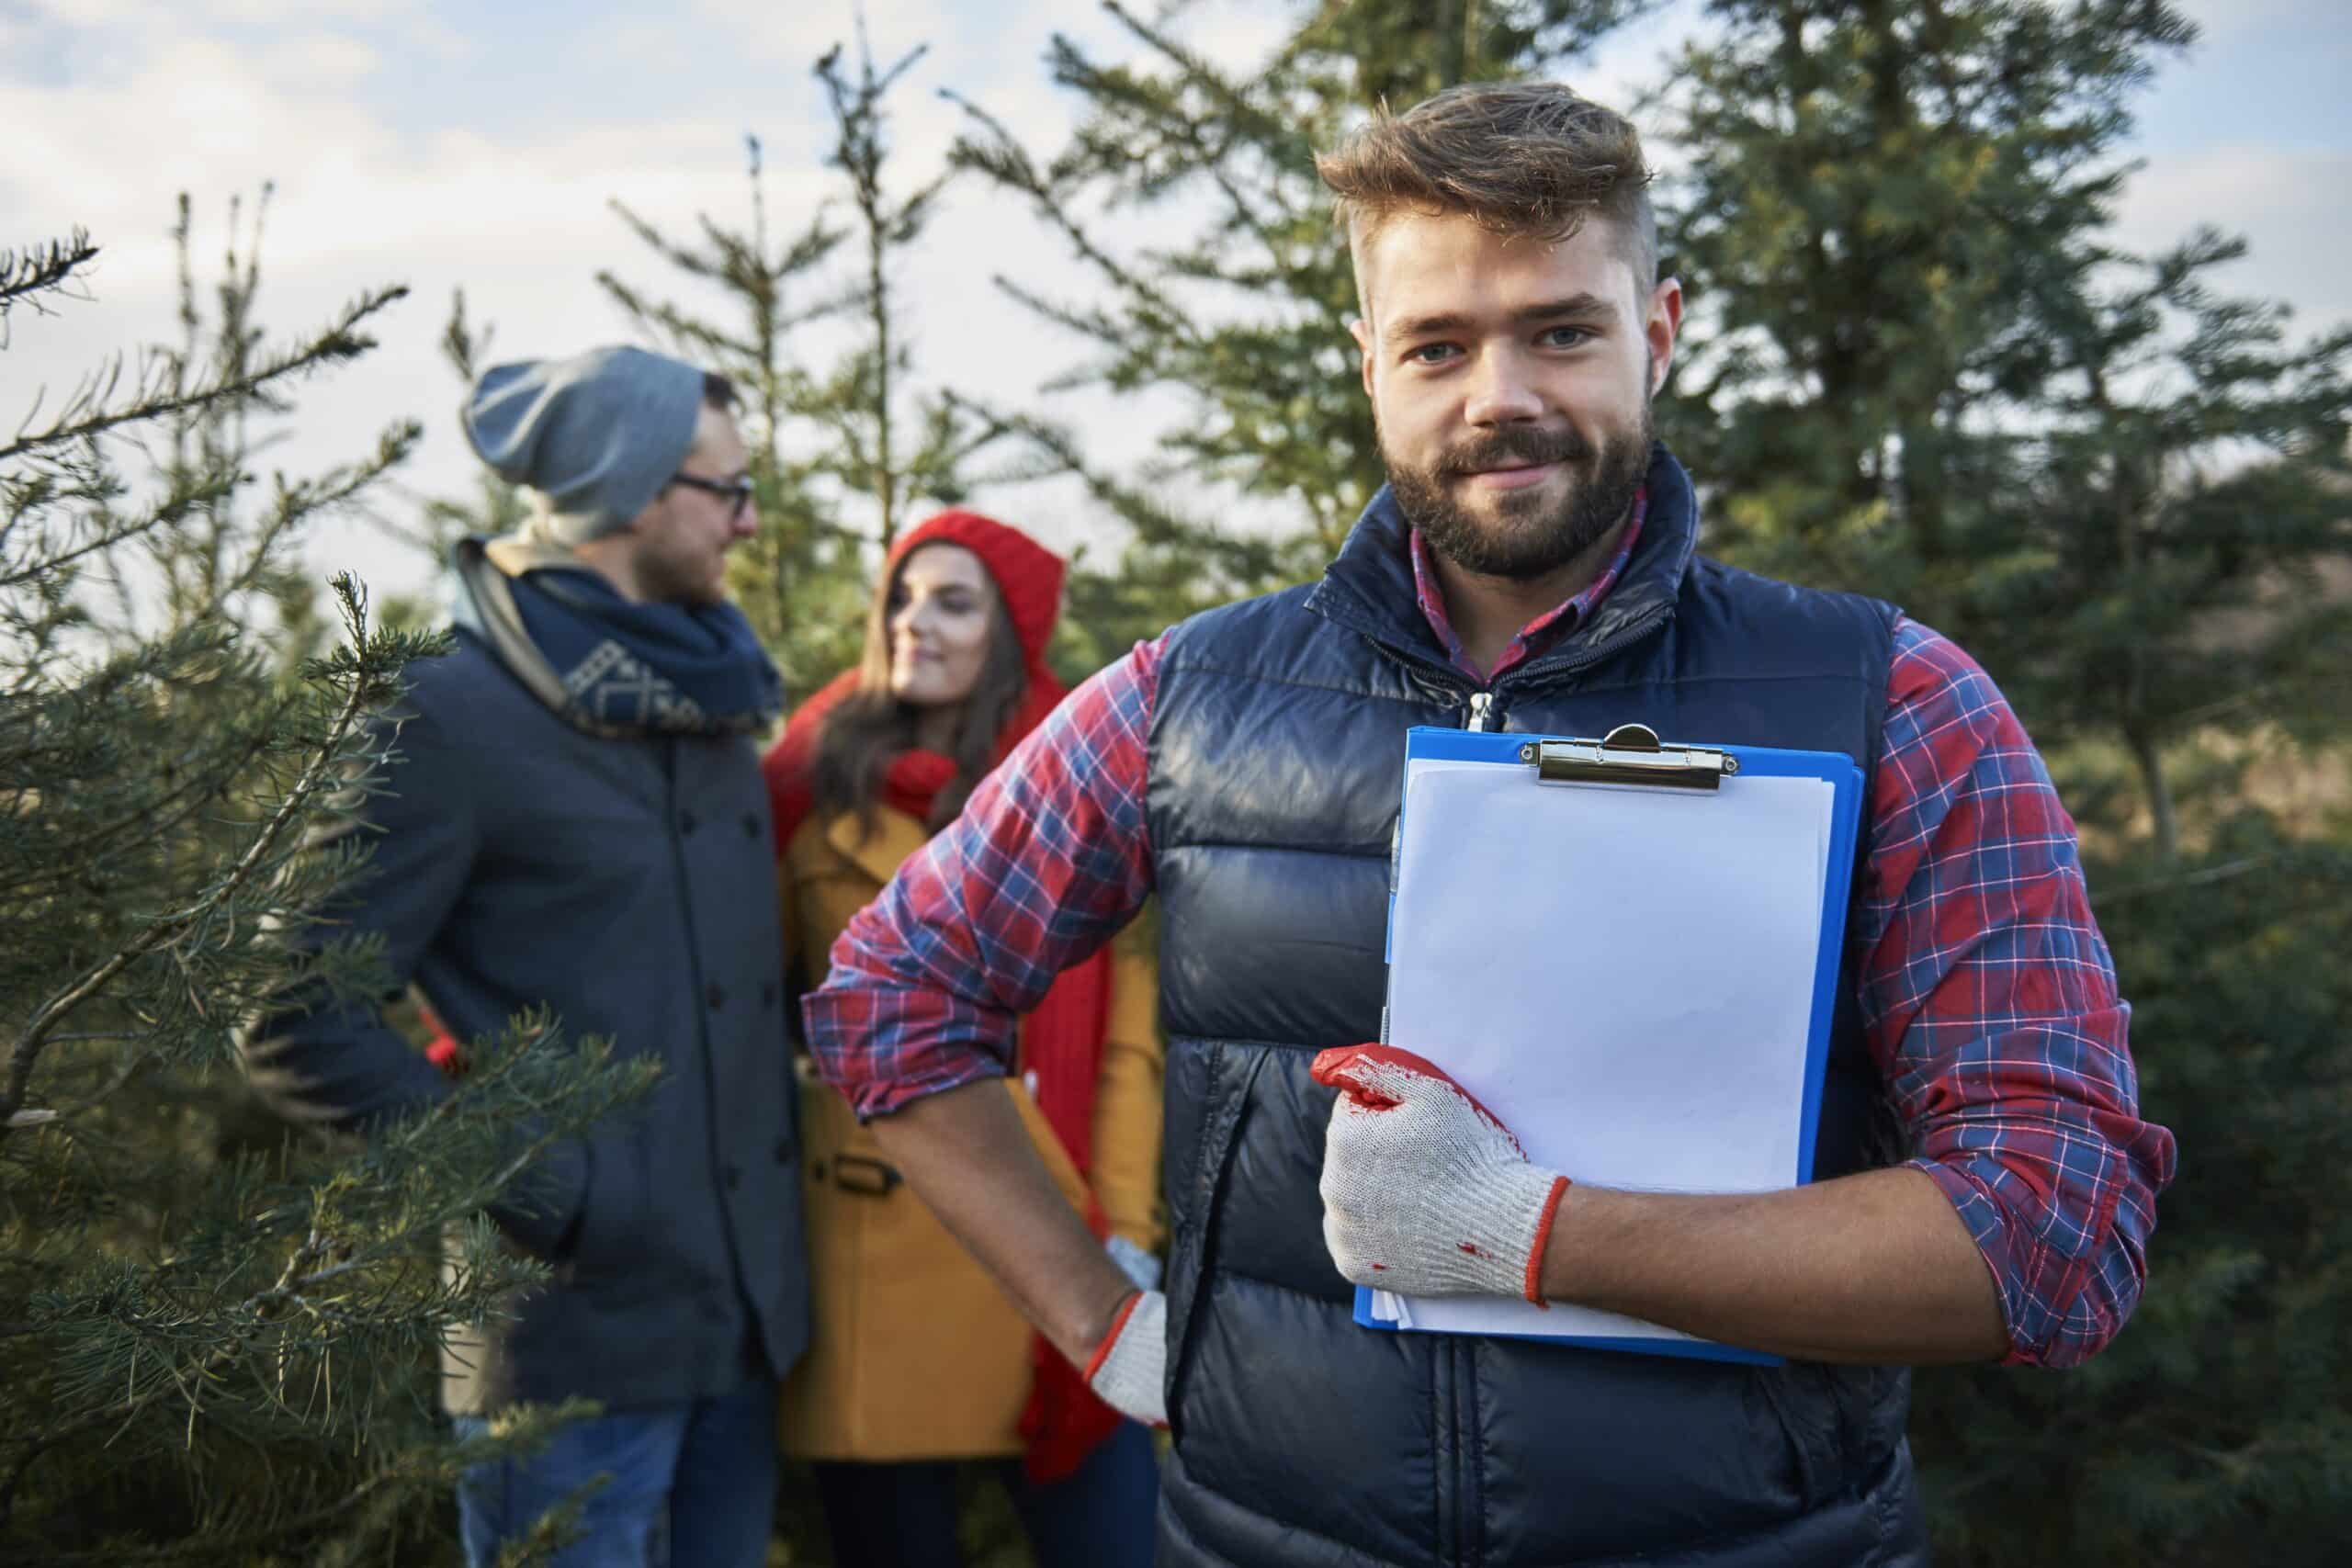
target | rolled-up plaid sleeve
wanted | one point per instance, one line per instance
(1992, 1005)
(1050, 857)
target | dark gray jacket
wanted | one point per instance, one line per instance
(629, 885)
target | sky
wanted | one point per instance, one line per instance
(442, 144)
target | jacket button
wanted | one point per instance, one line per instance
(686, 823)
(734, 1178)
(768, 994)
(750, 825)
(784, 1151)
(717, 995)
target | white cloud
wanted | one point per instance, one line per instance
(2272, 197)
(2220, 19)
(336, 62)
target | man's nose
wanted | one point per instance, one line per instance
(1502, 390)
(746, 522)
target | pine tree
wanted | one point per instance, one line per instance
(843, 456)
(1917, 366)
(1888, 210)
(2169, 570)
(215, 1341)
(2174, 608)
(870, 451)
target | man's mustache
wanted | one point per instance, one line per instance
(1514, 449)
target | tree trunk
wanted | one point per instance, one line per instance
(1448, 21)
(2150, 758)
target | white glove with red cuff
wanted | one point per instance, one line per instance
(1425, 1193)
(1129, 1372)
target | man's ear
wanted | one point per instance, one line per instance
(1361, 330)
(1661, 328)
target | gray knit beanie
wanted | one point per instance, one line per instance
(597, 435)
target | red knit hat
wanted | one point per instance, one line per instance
(1028, 578)
(1027, 575)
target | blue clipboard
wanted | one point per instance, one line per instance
(1632, 759)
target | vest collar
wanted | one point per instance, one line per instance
(1368, 588)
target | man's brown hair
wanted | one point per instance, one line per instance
(1522, 158)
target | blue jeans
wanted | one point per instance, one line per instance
(692, 1483)
(903, 1516)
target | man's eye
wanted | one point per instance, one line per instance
(1430, 352)
(1565, 337)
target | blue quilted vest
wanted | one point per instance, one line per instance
(1277, 742)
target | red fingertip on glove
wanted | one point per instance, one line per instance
(1339, 1066)
(1335, 1068)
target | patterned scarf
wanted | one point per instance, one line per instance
(610, 667)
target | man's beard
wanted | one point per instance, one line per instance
(1532, 536)
(665, 578)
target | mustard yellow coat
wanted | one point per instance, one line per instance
(914, 1352)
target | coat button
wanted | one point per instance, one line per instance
(717, 995)
(686, 823)
(750, 825)
(734, 1178)
(768, 994)
(784, 1151)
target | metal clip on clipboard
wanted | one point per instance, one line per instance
(1630, 753)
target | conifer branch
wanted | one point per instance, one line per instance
(27, 274)
(188, 497)
(1005, 163)
(257, 854)
(160, 394)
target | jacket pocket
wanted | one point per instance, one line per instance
(1804, 1399)
(612, 1243)
(1231, 1079)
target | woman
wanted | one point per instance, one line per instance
(917, 1357)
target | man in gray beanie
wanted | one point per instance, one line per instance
(576, 820)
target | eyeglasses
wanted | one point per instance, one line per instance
(737, 492)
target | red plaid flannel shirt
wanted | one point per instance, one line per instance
(1988, 993)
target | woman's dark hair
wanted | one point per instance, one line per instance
(869, 727)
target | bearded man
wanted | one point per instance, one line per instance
(576, 821)
(1985, 1186)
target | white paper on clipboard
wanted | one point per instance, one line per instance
(1624, 975)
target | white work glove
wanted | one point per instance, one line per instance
(1129, 1372)
(1425, 1193)
(1133, 1262)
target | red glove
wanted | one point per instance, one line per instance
(443, 1049)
